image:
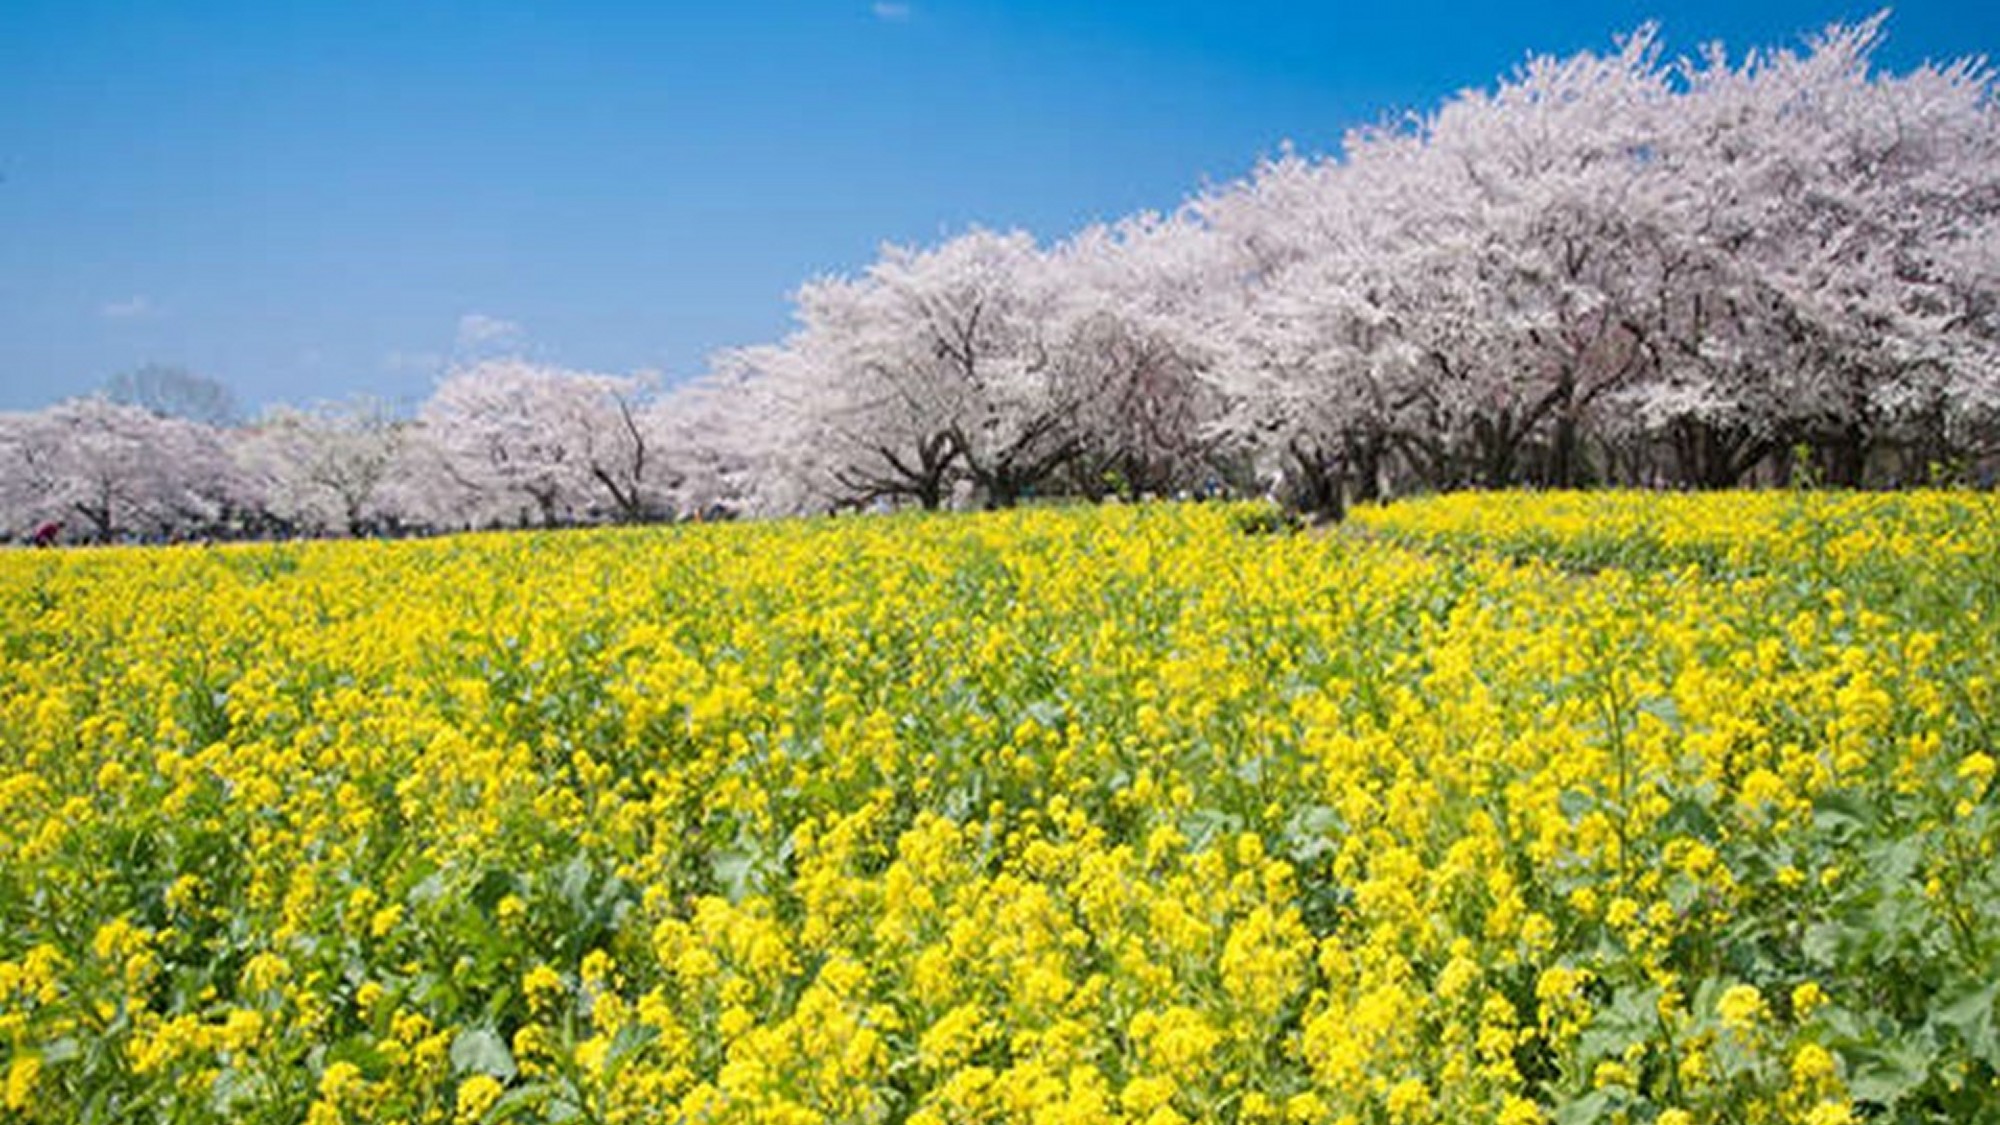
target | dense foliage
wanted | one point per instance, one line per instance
(1504, 808)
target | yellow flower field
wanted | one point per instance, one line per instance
(1485, 809)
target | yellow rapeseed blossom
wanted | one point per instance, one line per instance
(1977, 768)
(1093, 814)
(1807, 998)
(475, 1096)
(1829, 1113)
(1812, 1065)
(1741, 1007)
(21, 1075)
(543, 987)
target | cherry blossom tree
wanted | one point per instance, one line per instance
(760, 438)
(930, 368)
(1843, 226)
(1315, 368)
(329, 467)
(1131, 339)
(1611, 253)
(118, 470)
(517, 442)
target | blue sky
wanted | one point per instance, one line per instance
(312, 200)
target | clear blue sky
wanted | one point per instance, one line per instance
(311, 200)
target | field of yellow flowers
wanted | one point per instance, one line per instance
(1479, 809)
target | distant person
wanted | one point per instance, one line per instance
(45, 535)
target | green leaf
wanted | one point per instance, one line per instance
(1632, 1017)
(735, 871)
(521, 1102)
(1689, 817)
(1823, 943)
(1970, 1014)
(1250, 771)
(1663, 708)
(1204, 826)
(1884, 1075)
(1838, 812)
(1574, 803)
(480, 1050)
(574, 884)
(1897, 862)
(1591, 1108)
(1311, 833)
(428, 890)
(231, 1089)
(631, 1040)
(1683, 892)
(495, 883)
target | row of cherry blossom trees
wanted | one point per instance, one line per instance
(1610, 268)
(502, 443)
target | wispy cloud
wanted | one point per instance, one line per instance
(890, 12)
(478, 332)
(138, 307)
(419, 363)
(478, 336)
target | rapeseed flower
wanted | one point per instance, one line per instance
(1741, 1008)
(1051, 815)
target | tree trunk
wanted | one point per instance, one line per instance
(1565, 468)
(1846, 456)
(1495, 445)
(1318, 486)
(1364, 458)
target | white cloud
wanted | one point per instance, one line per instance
(137, 307)
(422, 363)
(890, 12)
(480, 332)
